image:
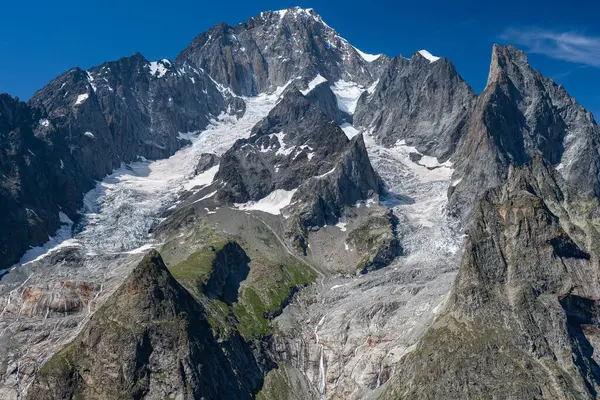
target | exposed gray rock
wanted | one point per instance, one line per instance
(321, 199)
(327, 101)
(206, 162)
(136, 107)
(32, 184)
(376, 240)
(151, 340)
(275, 47)
(521, 113)
(424, 103)
(294, 142)
(523, 313)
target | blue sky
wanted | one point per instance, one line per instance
(39, 39)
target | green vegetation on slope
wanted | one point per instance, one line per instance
(273, 278)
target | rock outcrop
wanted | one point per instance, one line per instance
(519, 114)
(521, 321)
(293, 143)
(425, 103)
(151, 340)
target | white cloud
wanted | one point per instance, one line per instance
(566, 46)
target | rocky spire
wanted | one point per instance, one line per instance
(516, 324)
(150, 340)
(519, 114)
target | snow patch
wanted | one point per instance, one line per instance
(428, 56)
(158, 68)
(62, 238)
(326, 173)
(90, 79)
(89, 134)
(202, 179)
(342, 226)
(272, 203)
(367, 57)
(82, 98)
(208, 196)
(347, 94)
(313, 84)
(428, 168)
(371, 89)
(44, 122)
(349, 130)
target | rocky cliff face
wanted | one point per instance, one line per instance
(294, 142)
(150, 340)
(422, 101)
(83, 125)
(36, 184)
(519, 114)
(520, 321)
(275, 47)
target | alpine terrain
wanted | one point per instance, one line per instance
(277, 215)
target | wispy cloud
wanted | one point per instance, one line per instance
(566, 46)
(569, 72)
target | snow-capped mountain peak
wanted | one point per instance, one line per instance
(276, 46)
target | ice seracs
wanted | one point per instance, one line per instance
(428, 56)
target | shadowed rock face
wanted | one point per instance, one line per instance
(521, 113)
(30, 177)
(206, 162)
(425, 103)
(275, 47)
(150, 340)
(521, 316)
(230, 269)
(82, 126)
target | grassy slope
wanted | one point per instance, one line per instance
(273, 278)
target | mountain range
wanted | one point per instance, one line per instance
(277, 215)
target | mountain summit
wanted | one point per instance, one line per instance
(276, 46)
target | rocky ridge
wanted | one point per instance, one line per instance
(521, 318)
(425, 103)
